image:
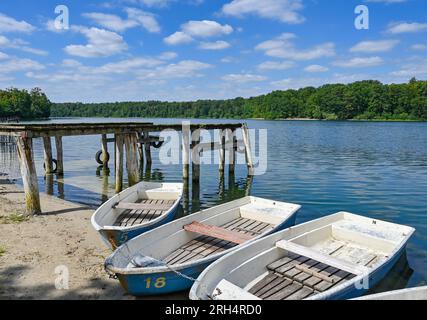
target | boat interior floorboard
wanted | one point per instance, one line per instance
(130, 218)
(295, 277)
(204, 246)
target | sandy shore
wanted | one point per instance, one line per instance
(31, 250)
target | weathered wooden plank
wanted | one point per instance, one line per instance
(142, 206)
(29, 175)
(119, 163)
(301, 294)
(104, 149)
(132, 165)
(59, 156)
(275, 294)
(48, 160)
(217, 232)
(263, 282)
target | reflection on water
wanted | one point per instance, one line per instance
(374, 169)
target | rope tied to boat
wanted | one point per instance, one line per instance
(139, 260)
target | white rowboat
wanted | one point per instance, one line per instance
(136, 210)
(339, 256)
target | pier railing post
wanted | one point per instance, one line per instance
(59, 156)
(119, 163)
(131, 158)
(48, 161)
(195, 155)
(29, 175)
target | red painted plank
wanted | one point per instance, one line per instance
(217, 232)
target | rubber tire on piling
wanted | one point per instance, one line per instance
(55, 167)
(98, 157)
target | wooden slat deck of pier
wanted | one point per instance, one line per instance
(132, 138)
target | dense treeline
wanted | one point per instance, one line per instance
(359, 100)
(24, 105)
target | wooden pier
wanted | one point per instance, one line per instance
(135, 139)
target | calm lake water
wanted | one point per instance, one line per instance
(373, 169)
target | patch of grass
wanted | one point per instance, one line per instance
(2, 250)
(13, 218)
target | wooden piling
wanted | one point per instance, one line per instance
(185, 150)
(48, 160)
(119, 163)
(147, 147)
(195, 155)
(59, 156)
(248, 150)
(104, 146)
(222, 152)
(29, 175)
(132, 167)
(232, 151)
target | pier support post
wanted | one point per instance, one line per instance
(147, 147)
(59, 156)
(29, 175)
(104, 148)
(222, 152)
(185, 150)
(141, 151)
(195, 161)
(248, 151)
(48, 162)
(232, 151)
(131, 158)
(119, 163)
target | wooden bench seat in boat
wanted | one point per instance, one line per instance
(217, 232)
(141, 212)
(204, 245)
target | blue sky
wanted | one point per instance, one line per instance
(127, 50)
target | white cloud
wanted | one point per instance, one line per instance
(274, 65)
(404, 27)
(414, 69)
(243, 78)
(169, 55)
(182, 69)
(101, 43)
(16, 65)
(315, 68)
(71, 63)
(374, 46)
(359, 62)
(3, 56)
(128, 65)
(205, 29)
(286, 11)
(177, 38)
(20, 45)
(136, 18)
(283, 47)
(419, 47)
(146, 19)
(217, 45)
(8, 24)
(155, 3)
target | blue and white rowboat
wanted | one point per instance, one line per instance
(169, 258)
(136, 210)
(340, 256)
